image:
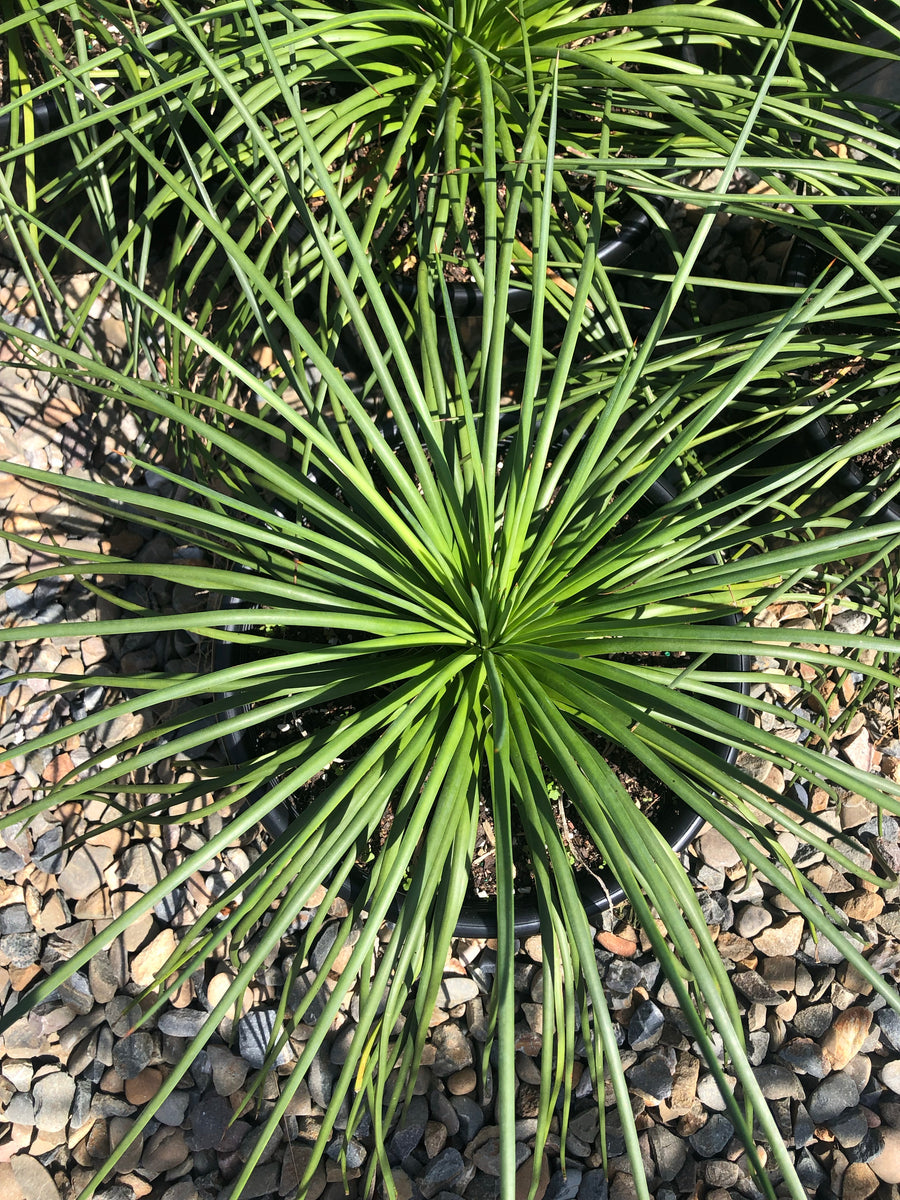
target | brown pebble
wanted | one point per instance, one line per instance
(143, 1087)
(461, 1083)
(164, 1150)
(435, 1138)
(845, 1038)
(146, 965)
(524, 1177)
(859, 1182)
(534, 948)
(863, 906)
(623, 947)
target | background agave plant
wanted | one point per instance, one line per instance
(485, 587)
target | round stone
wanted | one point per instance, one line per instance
(751, 919)
(84, 872)
(143, 1086)
(462, 1082)
(164, 1150)
(33, 1179)
(53, 1096)
(716, 850)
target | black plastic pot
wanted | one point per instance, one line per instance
(46, 116)
(678, 824)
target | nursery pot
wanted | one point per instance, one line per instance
(678, 823)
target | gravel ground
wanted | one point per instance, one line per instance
(73, 1076)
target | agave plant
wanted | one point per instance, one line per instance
(481, 604)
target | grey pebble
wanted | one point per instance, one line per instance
(832, 1097)
(408, 1134)
(319, 1080)
(850, 1128)
(717, 909)
(170, 906)
(708, 1093)
(20, 1110)
(759, 1046)
(103, 1105)
(10, 863)
(173, 1109)
(255, 1031)
(324, 945)
(132, 1054)
(669, 1151)
(182, 1022)
(751, 919)
(76, 993)
(14, 918)
(102, 977)
(889, 1023)
(594, 1185)
(755, 988)
(806, 1056)
(712, 1138)
(812, 1022)
(823, 951)
(456, 989)
(210, 1118)
(720, 1173)
(142, 866)
(469, 1115)
(22, 949)
(810, 1172)
(441, 1172)
(804, 1127)
(564, 1188)
(622, 976)
(53, 1096)
(651, 1076)
(47, 855)
(355, 1151)
(777, 1082)
(850, 621)
(442, 1110)
(646, 1026)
